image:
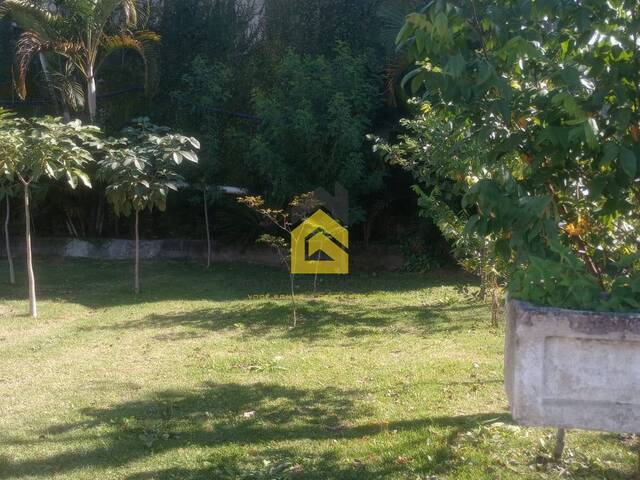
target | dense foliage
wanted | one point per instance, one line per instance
(547, 91)
(220, 72)
(524, 141)
(447, 164)
(314, 125)
(83, 33)
(140, 167)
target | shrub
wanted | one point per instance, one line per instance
(549, 89)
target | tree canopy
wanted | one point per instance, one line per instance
(549, 90)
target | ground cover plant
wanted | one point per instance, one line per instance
(395, 376)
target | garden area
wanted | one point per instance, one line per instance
(202, 377)
(319, 239)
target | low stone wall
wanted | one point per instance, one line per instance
(375, 258)
(572, 369)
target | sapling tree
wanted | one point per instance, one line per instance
(207, 195)
(8, 190)
(140, 169)
(282, 220)
(38, 149)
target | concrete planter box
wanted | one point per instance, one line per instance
(572, 369)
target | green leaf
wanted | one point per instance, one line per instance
(190, 156)
(440, 27)
(591, 133)
(485, 72)
(84, 178)
(503, 249)
(611, 151)
(402, 34)
(455, 66)
(49, 170)
(194, 142)
(471, 225)
(628, 162)
(72, 180)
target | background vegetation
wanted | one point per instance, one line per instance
(280, 97)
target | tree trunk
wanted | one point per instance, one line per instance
(91, 95)
(206, 221)
(12, 273)
(45, 69)
(293, 299)
(136, 285)
(559, 448)
(33, 308)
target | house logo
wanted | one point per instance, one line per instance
(320, 245)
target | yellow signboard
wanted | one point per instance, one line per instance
(320, 245)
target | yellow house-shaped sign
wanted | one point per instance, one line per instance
(319, 245)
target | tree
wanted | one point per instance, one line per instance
(8, 190)
(140, 169)
(32, 150)
(446, 164)
(83, 32)
(551, 89)
(283, 222)
(207, 195)
(313, 128)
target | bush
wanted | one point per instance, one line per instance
(314, 124)
(549, 90)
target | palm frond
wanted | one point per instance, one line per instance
(130, 11)
(70, 90)
(143, 43)
(29, 45)
(392, 15)
(104, 11)
(31, 16)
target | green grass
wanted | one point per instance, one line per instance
(390, 376)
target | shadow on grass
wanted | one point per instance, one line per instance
(100, 284)
(216, 418)
(317, 318)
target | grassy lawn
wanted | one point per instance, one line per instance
(201, 376)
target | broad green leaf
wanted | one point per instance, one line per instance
(611, 151)
(84, 178)
(190, 156)
(455, 66)
(591, 133)
(628, 162)
(440, 27)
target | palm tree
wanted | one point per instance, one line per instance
(83, 32)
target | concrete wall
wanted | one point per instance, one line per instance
(374, 259)
(571, 369)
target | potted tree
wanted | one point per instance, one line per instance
(550, 90)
